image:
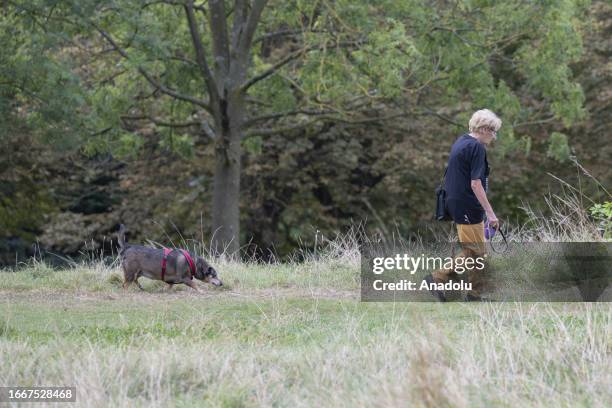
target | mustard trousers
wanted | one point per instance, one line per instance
(473, 245)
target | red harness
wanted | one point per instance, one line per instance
(165, 261)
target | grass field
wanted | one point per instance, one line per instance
(293, 335)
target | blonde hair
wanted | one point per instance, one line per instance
(484, 118)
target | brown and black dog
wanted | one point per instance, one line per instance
(138, 261)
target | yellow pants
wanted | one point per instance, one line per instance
(473, 245)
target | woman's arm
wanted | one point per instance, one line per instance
(484, 201)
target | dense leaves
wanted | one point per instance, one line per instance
(350, 107)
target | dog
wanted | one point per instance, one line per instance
(173, 266)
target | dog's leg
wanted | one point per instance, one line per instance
(192, 285)
(131, 279)
(126, 283)
(138, 284)
(130, 274)
(135, 279)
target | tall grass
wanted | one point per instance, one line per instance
(291, 333)
(567, 218)
(331, 263)
(338, 355)
(568, 221)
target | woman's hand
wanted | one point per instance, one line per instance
(492, 219)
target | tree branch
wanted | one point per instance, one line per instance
(162, 88)
(284, 33)
(169, 2)
(205, 126)
(535, 122)
(101, 132)
(202, 124)
(112, 77)
(218, 28)
(160, 122)
(199, 51)
(278, 115)
(429, 111)
(251, 24)
(371, 120)
(319, 118)
(274, 131)
(238, 23)
(285, 61)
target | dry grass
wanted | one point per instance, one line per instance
(567, 218)
(327, 353)
(293, 334)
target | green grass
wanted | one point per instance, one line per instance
(99, 278)
(285, 320)
(293, 335)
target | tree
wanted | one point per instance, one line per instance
(39, 96)
(233, 73)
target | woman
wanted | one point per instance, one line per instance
(466, 185)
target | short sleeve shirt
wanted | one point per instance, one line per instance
(467, 162)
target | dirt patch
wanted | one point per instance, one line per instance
(69, 297)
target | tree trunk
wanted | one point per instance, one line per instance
(226, 192)
(231, 61)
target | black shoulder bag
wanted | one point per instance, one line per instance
(441, 211)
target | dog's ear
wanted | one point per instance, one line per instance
(211, 271)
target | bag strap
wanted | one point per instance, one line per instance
(443, 177)
(452, 228)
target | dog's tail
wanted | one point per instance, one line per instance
(121, 236)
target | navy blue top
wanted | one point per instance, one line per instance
(467, 162)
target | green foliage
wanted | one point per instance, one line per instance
(545, 64)
(37, 86)
(24, 211)
(253, 145)
(129, 145)
(386, 57)
(181, 144)
(430, 65)
(277, 90)
(558, 147)
(385, 50)
(603, 213)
